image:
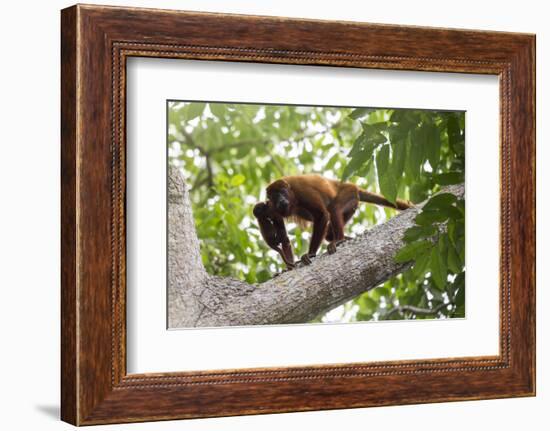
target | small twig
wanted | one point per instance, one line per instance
(416, 310)
(209, 171)
(191, 142)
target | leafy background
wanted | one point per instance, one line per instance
(228, 153)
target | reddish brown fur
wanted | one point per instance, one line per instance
(329, 204)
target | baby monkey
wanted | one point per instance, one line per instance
(272, 228)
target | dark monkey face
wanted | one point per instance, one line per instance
(278, 193)
(281, 202)
(260, 210)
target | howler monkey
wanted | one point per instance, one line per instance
(272, 228)
(329, 204)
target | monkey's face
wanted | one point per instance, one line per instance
(281, 201)
(260, 210)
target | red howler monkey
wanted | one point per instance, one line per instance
(272, 228)
(329, 204)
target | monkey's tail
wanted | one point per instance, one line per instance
(374, 198)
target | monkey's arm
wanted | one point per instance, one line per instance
(282, 238)
(273, 231)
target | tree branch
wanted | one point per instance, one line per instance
(417, 310)
(199, 299)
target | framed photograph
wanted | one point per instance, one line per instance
(264, 214)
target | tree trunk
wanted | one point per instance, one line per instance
(197, 299)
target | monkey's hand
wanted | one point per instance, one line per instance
(306, 259)
(289, 267)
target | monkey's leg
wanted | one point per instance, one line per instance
(320, 226)
(347, 217)
(330, 233)
(340, 213)
(337, 223)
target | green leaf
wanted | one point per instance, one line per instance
(237, 180)
(436, 292)
(440, 201)
(460, 295)
(218, 109)
(461, 205)
(387, 184)
(449, 178)
(415, 155)
(453, 261)
(388, 187)
(377, 139)
(429, 217)
(355, 163)
(433, 146)
(361, 153)
(381, 291)
(399, 155)
(332, 161)
(452, 212)
(363, 149)
(459, 312)
(194, 110)
(417, 232)
(358, 145)
(367, 304)
(421, 264)
(359, 112)
(453, 131)
(442, 244)
(438, 269)
(383, 160)
(451, 227)
(460, 247)
(459, 231)
(364, 170)
(242, 151)
(373, 135)
(399, 116)
(410, 251)
(418, 192)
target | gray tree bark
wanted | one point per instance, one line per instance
(197, 299)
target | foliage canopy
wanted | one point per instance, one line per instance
(230, 152)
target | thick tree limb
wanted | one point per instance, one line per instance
(196, 298)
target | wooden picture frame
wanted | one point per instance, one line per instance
(95, 43)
